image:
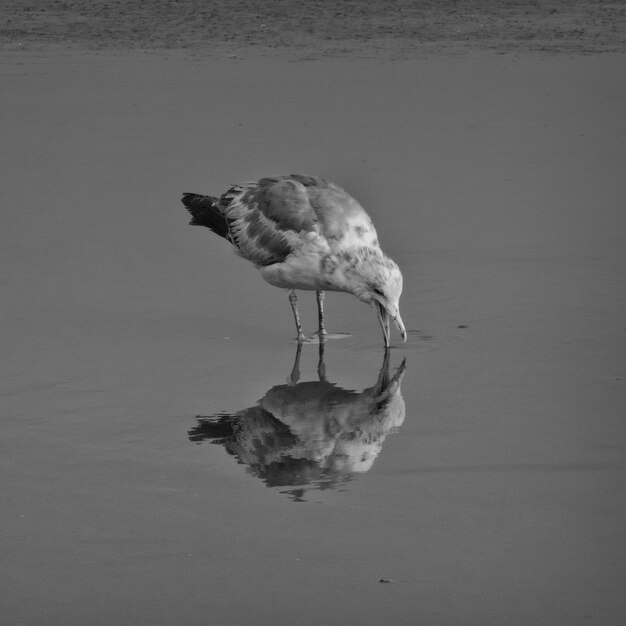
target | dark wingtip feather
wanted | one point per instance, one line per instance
(205, 211)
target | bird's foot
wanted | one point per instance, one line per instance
(317, 338)
(324, 335)
(321, 334)
(301, 338)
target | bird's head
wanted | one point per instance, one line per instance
(380, 285)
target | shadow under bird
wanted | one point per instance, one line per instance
(303, 232)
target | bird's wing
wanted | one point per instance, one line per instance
(343, 221)
(268, 219)
(273, 217)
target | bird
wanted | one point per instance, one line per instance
(306, 233)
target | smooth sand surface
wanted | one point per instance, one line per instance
(498, 185)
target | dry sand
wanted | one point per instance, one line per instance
(496, 181)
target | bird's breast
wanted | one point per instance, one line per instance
(298, 272)
(311, 272)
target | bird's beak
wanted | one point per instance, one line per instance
(400, 324)
(383, 319)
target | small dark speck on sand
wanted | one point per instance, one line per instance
(385, 580)
(462, 326)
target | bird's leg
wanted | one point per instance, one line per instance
(320, 313)
(295, 370)
(293, 300)
(321, 366)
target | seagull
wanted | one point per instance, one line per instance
(304, 232)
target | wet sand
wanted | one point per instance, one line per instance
(497, 184)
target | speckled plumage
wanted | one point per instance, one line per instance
(303, 232)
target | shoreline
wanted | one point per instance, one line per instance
(321, 29)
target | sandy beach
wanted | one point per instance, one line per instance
(160, 465)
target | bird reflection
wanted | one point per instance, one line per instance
(310, 435)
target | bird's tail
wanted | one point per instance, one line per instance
(205, 211)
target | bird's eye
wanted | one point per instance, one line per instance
(378, 292)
